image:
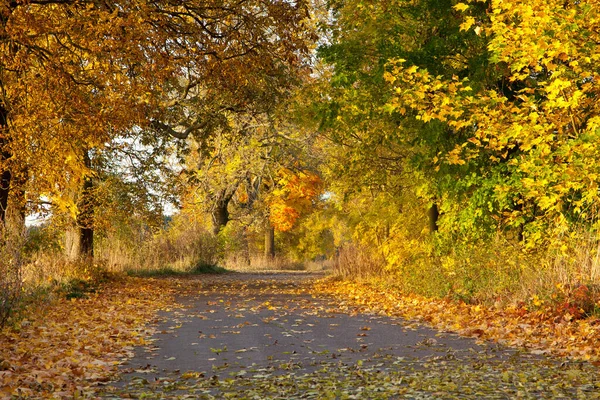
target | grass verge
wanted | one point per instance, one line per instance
(170, 271)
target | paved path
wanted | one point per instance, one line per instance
(263, 336)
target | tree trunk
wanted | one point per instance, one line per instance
(5, 176)
(73, 243)
(4, 192)
(79, 240)
(270, 242)
(433, 215)
(220, 215)
(85, 216)
(16, 206)
(245, 246)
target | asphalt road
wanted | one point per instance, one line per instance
(265, 336)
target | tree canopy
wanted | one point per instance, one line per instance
(410, 130)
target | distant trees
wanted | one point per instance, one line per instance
(254, 169)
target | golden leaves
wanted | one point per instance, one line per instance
(75, 76)
(547, 56)
(513, 325)
(467, 24)
(64, 349)
(460, 6)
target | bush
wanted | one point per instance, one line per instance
(10, 289)
(180, 247)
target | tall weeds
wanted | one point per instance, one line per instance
(358, 261)
(180, 248)
(562, 276)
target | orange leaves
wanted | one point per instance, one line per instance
(293, 197)
(71, 345)
(515, 326)
(282, 216)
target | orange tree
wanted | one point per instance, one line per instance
(295, 194)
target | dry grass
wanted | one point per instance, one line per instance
(10, 278)
(567, 274)
(562, 278)
(176, 250)
(359, 262)
(257, 263)
(43, 268)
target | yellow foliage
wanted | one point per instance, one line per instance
(551, 123)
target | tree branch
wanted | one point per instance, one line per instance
(177, 134)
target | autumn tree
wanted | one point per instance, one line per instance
(132, 181)
(534, 132)
(76, 74)
(237, 172)
(295, 194)
(229, 167)
(239, 137)
(484, 109)
(378, 154)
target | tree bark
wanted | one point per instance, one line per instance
(4, 192)
(80, 238)
(16, 209)
(245, 246)
(220, 215)
(5, 176)
(73, 243)
(433, 215)
(85, 216)
(270, 242)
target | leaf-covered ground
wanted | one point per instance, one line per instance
(361, 353)
(538, 331)
(86, 348)
(65, 348)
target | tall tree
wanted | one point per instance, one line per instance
(356, 99)
(74, 74)
(534, 132)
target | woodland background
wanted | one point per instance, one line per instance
(442, 148)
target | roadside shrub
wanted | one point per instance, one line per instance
(576, 302)
(41, 238)
(181, 250)
(10, 288)
(180, 247)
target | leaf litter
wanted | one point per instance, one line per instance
(74, 348)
